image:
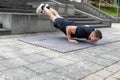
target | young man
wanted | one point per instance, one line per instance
(69, 28)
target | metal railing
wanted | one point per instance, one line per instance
(115, 5)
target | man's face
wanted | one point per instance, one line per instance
(94, 38)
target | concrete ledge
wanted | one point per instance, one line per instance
(26, 23)
(30, 22)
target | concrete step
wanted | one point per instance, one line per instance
(35, 0)
(98, 25)
(12, 2)
(26, 0)
(81, 19)
(78, 16)
(87, 22)
(4, 31)
(16, 10)
(1, 25)
(15, 6)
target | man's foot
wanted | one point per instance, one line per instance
(47, 6)
(39, 10)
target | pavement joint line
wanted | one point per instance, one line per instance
(104, 68)
(59, 67)
(111, 75)
(107, 58)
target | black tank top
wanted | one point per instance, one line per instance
(83, 32)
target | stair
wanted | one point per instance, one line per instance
(0, 25)
(20, 6)
(4, 31)
(16, 10)
(87, 8)
(82, 19)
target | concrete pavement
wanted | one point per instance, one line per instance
(22, 61)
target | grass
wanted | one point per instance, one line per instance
(109, 10)
(118, 78)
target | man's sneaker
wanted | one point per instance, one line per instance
(39, 9)
(47, 6)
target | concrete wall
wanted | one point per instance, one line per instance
(29, 22)
(26, 23)
(63, 9)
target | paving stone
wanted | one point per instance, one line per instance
(14, 54)
(1, 58)
(74, 72)
(75, 57)
(115, 52)
(116, 75)
(91, 66)
(86, 53)
(44, 50)
(100, 61)
(2, 68)
(113, 68)
(28, 51)
(93, 77)
(96, 49)
(110, 78)
(60, 62)
(34, 58)
(8, 48)
(50, 76)
(69, 57)
(17, 74)
(11, 63)
(23, 45)
(1, 78)
(100, 49)
(8, 55)
(42, 67)
(51, 54)
(110, 57)
(104, 73)
(118, 63)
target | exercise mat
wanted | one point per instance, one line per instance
(61, 44)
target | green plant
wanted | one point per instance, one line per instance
(109, 10)
(118, 78)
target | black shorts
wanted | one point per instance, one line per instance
(61, 24)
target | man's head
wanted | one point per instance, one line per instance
(95, 35)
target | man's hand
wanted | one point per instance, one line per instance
(71, 30)
(73, 41)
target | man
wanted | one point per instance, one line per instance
(69, 28)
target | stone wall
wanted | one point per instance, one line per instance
(30, 22)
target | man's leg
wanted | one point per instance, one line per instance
(50, 14)
(55, 13)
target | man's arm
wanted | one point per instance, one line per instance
(71, 30)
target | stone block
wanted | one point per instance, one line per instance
(75, 72)
(60, 62)
(34, 58)
(26, 23)
(50, 76)
(12, 63)
(20, 73)
(41, 67)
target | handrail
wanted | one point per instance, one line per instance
(110, 4)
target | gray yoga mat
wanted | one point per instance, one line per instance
(60, 43)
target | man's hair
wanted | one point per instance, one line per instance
(98, 34)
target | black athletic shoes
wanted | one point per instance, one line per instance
(40, 8)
